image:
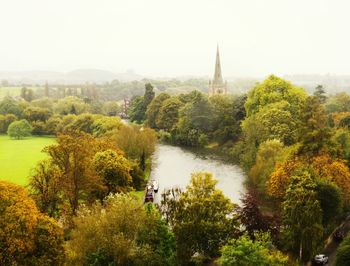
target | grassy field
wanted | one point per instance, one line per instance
(18, 157)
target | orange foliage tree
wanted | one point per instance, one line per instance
(334, 170)
(280, 178)
(27, 237)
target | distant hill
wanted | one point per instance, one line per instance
(76, 76)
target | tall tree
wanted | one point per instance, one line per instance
(73, 155)
(314, 132)
(320, 94)
(302, 215)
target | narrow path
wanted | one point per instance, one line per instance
(331, 247)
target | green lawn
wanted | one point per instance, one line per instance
(18, 157)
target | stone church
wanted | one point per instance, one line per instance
(217, 85)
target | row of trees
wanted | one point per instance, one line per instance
(45, 114)
(190, 119)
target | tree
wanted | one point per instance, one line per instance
(246, 252)
(314, 132)
(135, 111)
(27, 237)
(334, 170)
(69, 105)
(277, 123)
(202, 218)
(302, 215)
(250, 215)
(330, 198)
(227, 115)
(10, 106)
(73, 156)
(153, 109)
(272, 90)
(195, 121)
(121, 232)
(280, 178)
(114, 168)
(169, 114)
(148, 96)
(343, 253)
(19, 129)
(5, 121)
(269, 154)
(320, 94)
(338, 103)
(32, 113)
(138, 106)
(136, 141)
(44, 184)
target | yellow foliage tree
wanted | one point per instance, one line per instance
(27, 237)
(280, 178)
(334, 170)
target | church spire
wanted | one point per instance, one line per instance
(217, 85)
(217, 74)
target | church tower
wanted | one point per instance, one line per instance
(217, 85)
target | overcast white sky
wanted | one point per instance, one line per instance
(177, 37)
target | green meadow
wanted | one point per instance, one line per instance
(19, 157)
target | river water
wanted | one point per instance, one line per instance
(172, 167)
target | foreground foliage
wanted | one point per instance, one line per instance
(246, 252)
(201, 217)
(27, 237)
(120, 232)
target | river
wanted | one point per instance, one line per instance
(172, 167)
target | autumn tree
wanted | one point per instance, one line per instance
(44, 184)
(114, 168)
(27, 237)
(334, 170)
(280, 178)
(201, 217)
(135, 141)
(5, 121)
(73, 155)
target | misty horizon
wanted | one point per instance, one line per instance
(172, 39)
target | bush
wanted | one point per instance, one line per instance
(19, 129)
(343, 254)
